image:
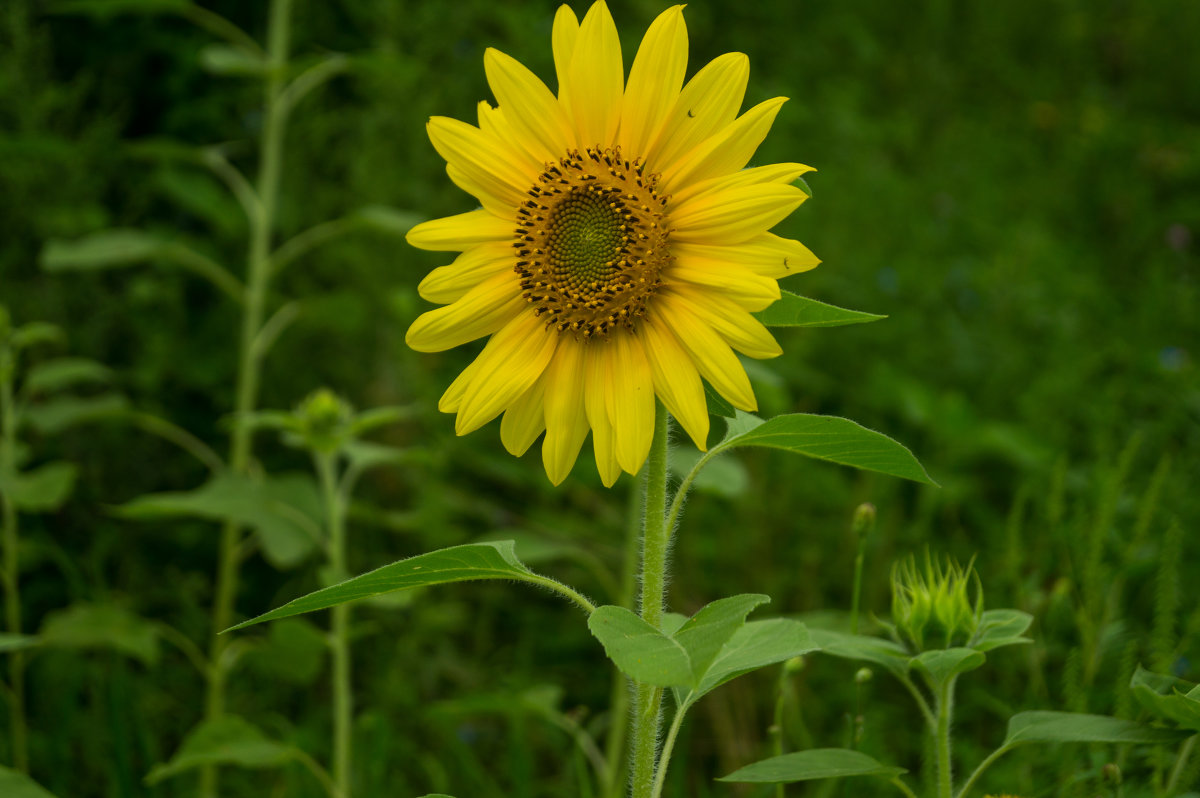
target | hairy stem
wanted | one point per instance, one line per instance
(339, 641)
(12, 570)
(647, 718)
(945, 711)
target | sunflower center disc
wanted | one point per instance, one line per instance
(592, 242)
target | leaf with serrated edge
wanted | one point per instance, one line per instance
(471, 561)
(837, 440)
(638, 649)
(711, 628)
(1071, 727)
(818, 763)
(793, 310)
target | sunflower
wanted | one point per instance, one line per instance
(620, 249)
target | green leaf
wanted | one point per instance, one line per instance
(55, 415)
(638, 649)
(35, 332)
(753, 646)
(103, 250)
(274, 508)
(944, 664)
(717, 406)
(837, 440)
(818, 763)
(492, 560)
(387, 220)
(102, 626)
(1167, 697)
(437, 795)
(17, 785)
(11, 642)
(65, 372)
(721, 476)
(380, 417)
(223, 59)
(108, 8)
(1070, 727)
(294, 652)
(364, 455)
(42, 490)
(706, 632)
(1001, 628)
(229, 740)
(892, 656)
(793, 310)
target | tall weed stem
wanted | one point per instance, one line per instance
(12, 570)
(339, 639)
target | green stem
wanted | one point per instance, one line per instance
(12, 570)
(984, 765)
(945, 710)
(858, 569)
(1181, 763)
(902, 787)
(339, 639)
(668, 746)
(258, 274)
(781, 694)
(655, 539)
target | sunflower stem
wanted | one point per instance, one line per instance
(339, 638)
(647, 716)
(12, 569)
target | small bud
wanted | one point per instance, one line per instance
(324, 420)
(863, 675)
(1111, 774)
(933, 603)
(864, 520)
(793, 665)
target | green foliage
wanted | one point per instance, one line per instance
(228, 741)
(793, 310)
(18, 785)
(819, 763)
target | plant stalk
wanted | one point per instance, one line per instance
(12, 569)
(647, 717)
(249, 362)
(339, 639)
(945, 710)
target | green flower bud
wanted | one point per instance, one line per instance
(932, 604)
(863, 675)
(864, 520)
(793, 665)
(1111, 774)
(324, 421)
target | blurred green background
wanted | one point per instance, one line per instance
(1016, 185)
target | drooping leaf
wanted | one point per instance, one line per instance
(706, 633)
(753, 646)
(102, 250)
(1001, 628)
(41, 490)
(102, 626)
(14, 784)
(793, 310)
(1167, 697)
(57, 414)
(224, 59)
(837, 440)
(1071, 727)
(638, 649)
(11, 642)
(492, 560)
(65, 372)
(943, 664)
(818, 763)
(229, 740)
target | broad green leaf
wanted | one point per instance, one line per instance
(638, 649)
(1070, 727)
(65, 372)
(722, 476)
(14, 784)
(818, 763)
(754, 646)
(793, 310)
(11, 642)
(717, 405)
(706, 632)
(387, 220)
(294, 651)
(1168, 697)
(103, 250)
(224, 59)
(288, 533)
(892, 656)
(494, 560)
(837, 440)
(35, 332)
(41, 490)
(227, 741)
(55, 415)
(1001, 628)
(364, 454)
(102, 626)
(944, 664)
(380, 417)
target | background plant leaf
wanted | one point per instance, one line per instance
(230, 740)
(102, 626)
(817, 763)
(14, 784)
(41, 490)
(793, 310)
(1071, 727)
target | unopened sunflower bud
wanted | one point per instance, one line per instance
(793, 665)
(932, 603)
(1111, 774)
(863, 675)
(864, 520)
(324, 420)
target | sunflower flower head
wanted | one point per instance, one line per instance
(620, 249)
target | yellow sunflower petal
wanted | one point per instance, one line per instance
(530, 108)
(713, 358)
(527, 154)
(490, 202)
(566, 418)
(460, 232)
(749, 290)
(736, 214)
(507, 367)
(566, 33)
(595, 402)
(741, 330)
(482, 159)
(630, 400)
(446, 284)
(768, 255)
(482, 311)
(654, 81)
(676, 381)
(759, 175)
(524, 420)
(726, 151)
(596, 79)
(452, 399)
(708, 102)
